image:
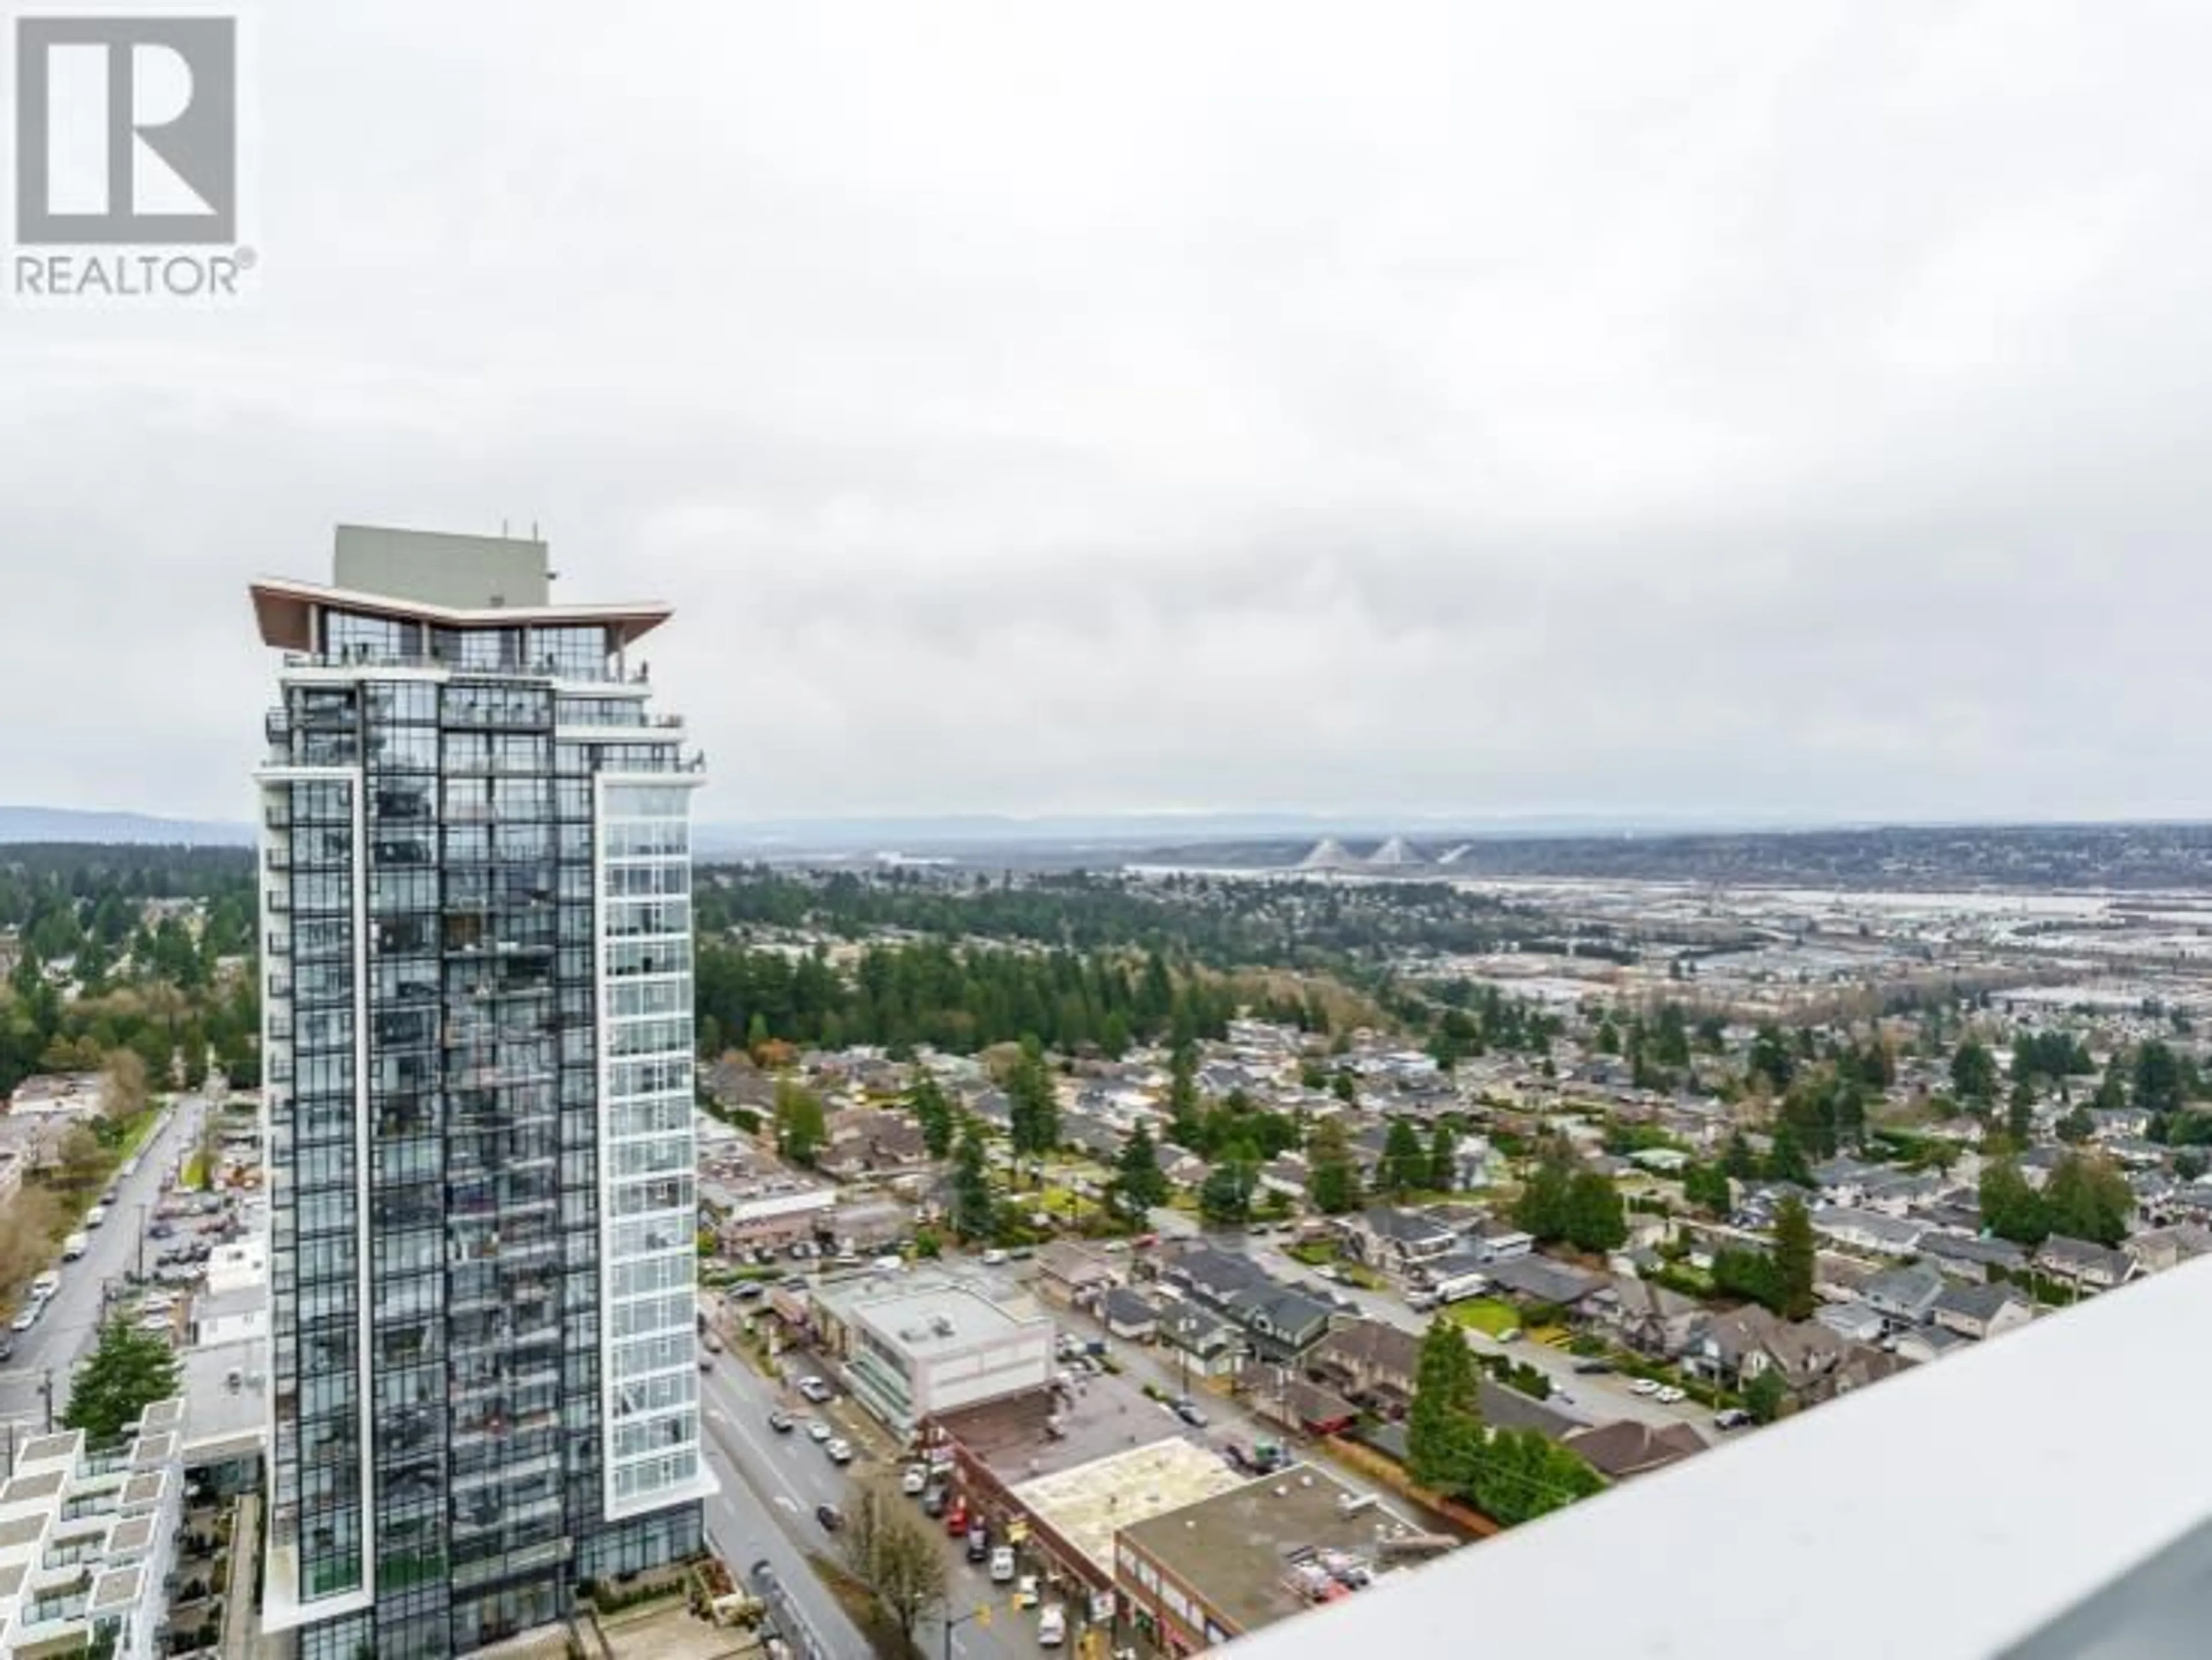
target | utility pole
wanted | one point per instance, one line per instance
(47, 1391)
(141, 1240)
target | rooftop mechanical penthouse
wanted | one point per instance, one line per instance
(478, 1033)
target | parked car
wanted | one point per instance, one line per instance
(914, 1480)
(28, 1318)
(1670, 1396)
(750, 1289)
(829, 1517)
(820, 1430)
(1002, 1565)
(1592, 1368)
(1025, 1592)
(815, 1390)
(956, 1518)
(781, 1421)
(1644, 1386)
(1733, 1418)
(7, 1345)
(979, 1542)
(1187, 1409)
(840, 1451)
(934, 1500)
(1052, 1627)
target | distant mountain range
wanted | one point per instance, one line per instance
(787, 839)
(133, 829)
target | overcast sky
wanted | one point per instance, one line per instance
(1715, 409)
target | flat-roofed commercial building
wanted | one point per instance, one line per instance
(1201, 1575)
(913, 1347)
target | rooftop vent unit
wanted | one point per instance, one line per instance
(941, 1324)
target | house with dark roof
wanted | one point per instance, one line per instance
(1209, 1345)
(1626, 1447)
(1541, 1280)
(1129, 1315)
(1384, 1237)
(1280, 1325)
(1369, 1361)
(1650, 1318)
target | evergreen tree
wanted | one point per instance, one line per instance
(1405, 1164)
(1785, 1160)
(927, 1100)
(1443, 1160)
(1139, 1186)
(1332, 1177)
(1542, 1209)
(1794, 1252)
(1594, 1219)
(129, 1370)
(972, 1212)
(1034, 1106)
(1442, 1420)
(1973, 1073)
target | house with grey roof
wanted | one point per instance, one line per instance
(1925, 1343)
(1855, 1321)
(1209, 1346)
(1961, 1256)
(2083, 1263)
(1868, 1231)
(2161, 1249)
(1981, 1311)
(1904, 1296)
(1541, 1280)
(1650, 1318)
(1384, 1237)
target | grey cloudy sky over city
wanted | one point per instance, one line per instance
(1717, 409)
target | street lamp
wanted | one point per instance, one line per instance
(982, 1611)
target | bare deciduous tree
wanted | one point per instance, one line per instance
(894, 1551)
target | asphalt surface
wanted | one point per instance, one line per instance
(772, 1484)
(67, 1330)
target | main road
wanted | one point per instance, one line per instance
(66, 1331)
(772, 1484)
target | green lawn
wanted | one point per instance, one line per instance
(1485, 1314)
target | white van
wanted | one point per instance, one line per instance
(96, 1216)
(75, 1246)
(46, 1284)
(1052, 1626)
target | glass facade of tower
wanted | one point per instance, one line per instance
(478, 1032)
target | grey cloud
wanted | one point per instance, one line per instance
(1709, 409)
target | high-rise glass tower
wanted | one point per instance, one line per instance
(477, 1047)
